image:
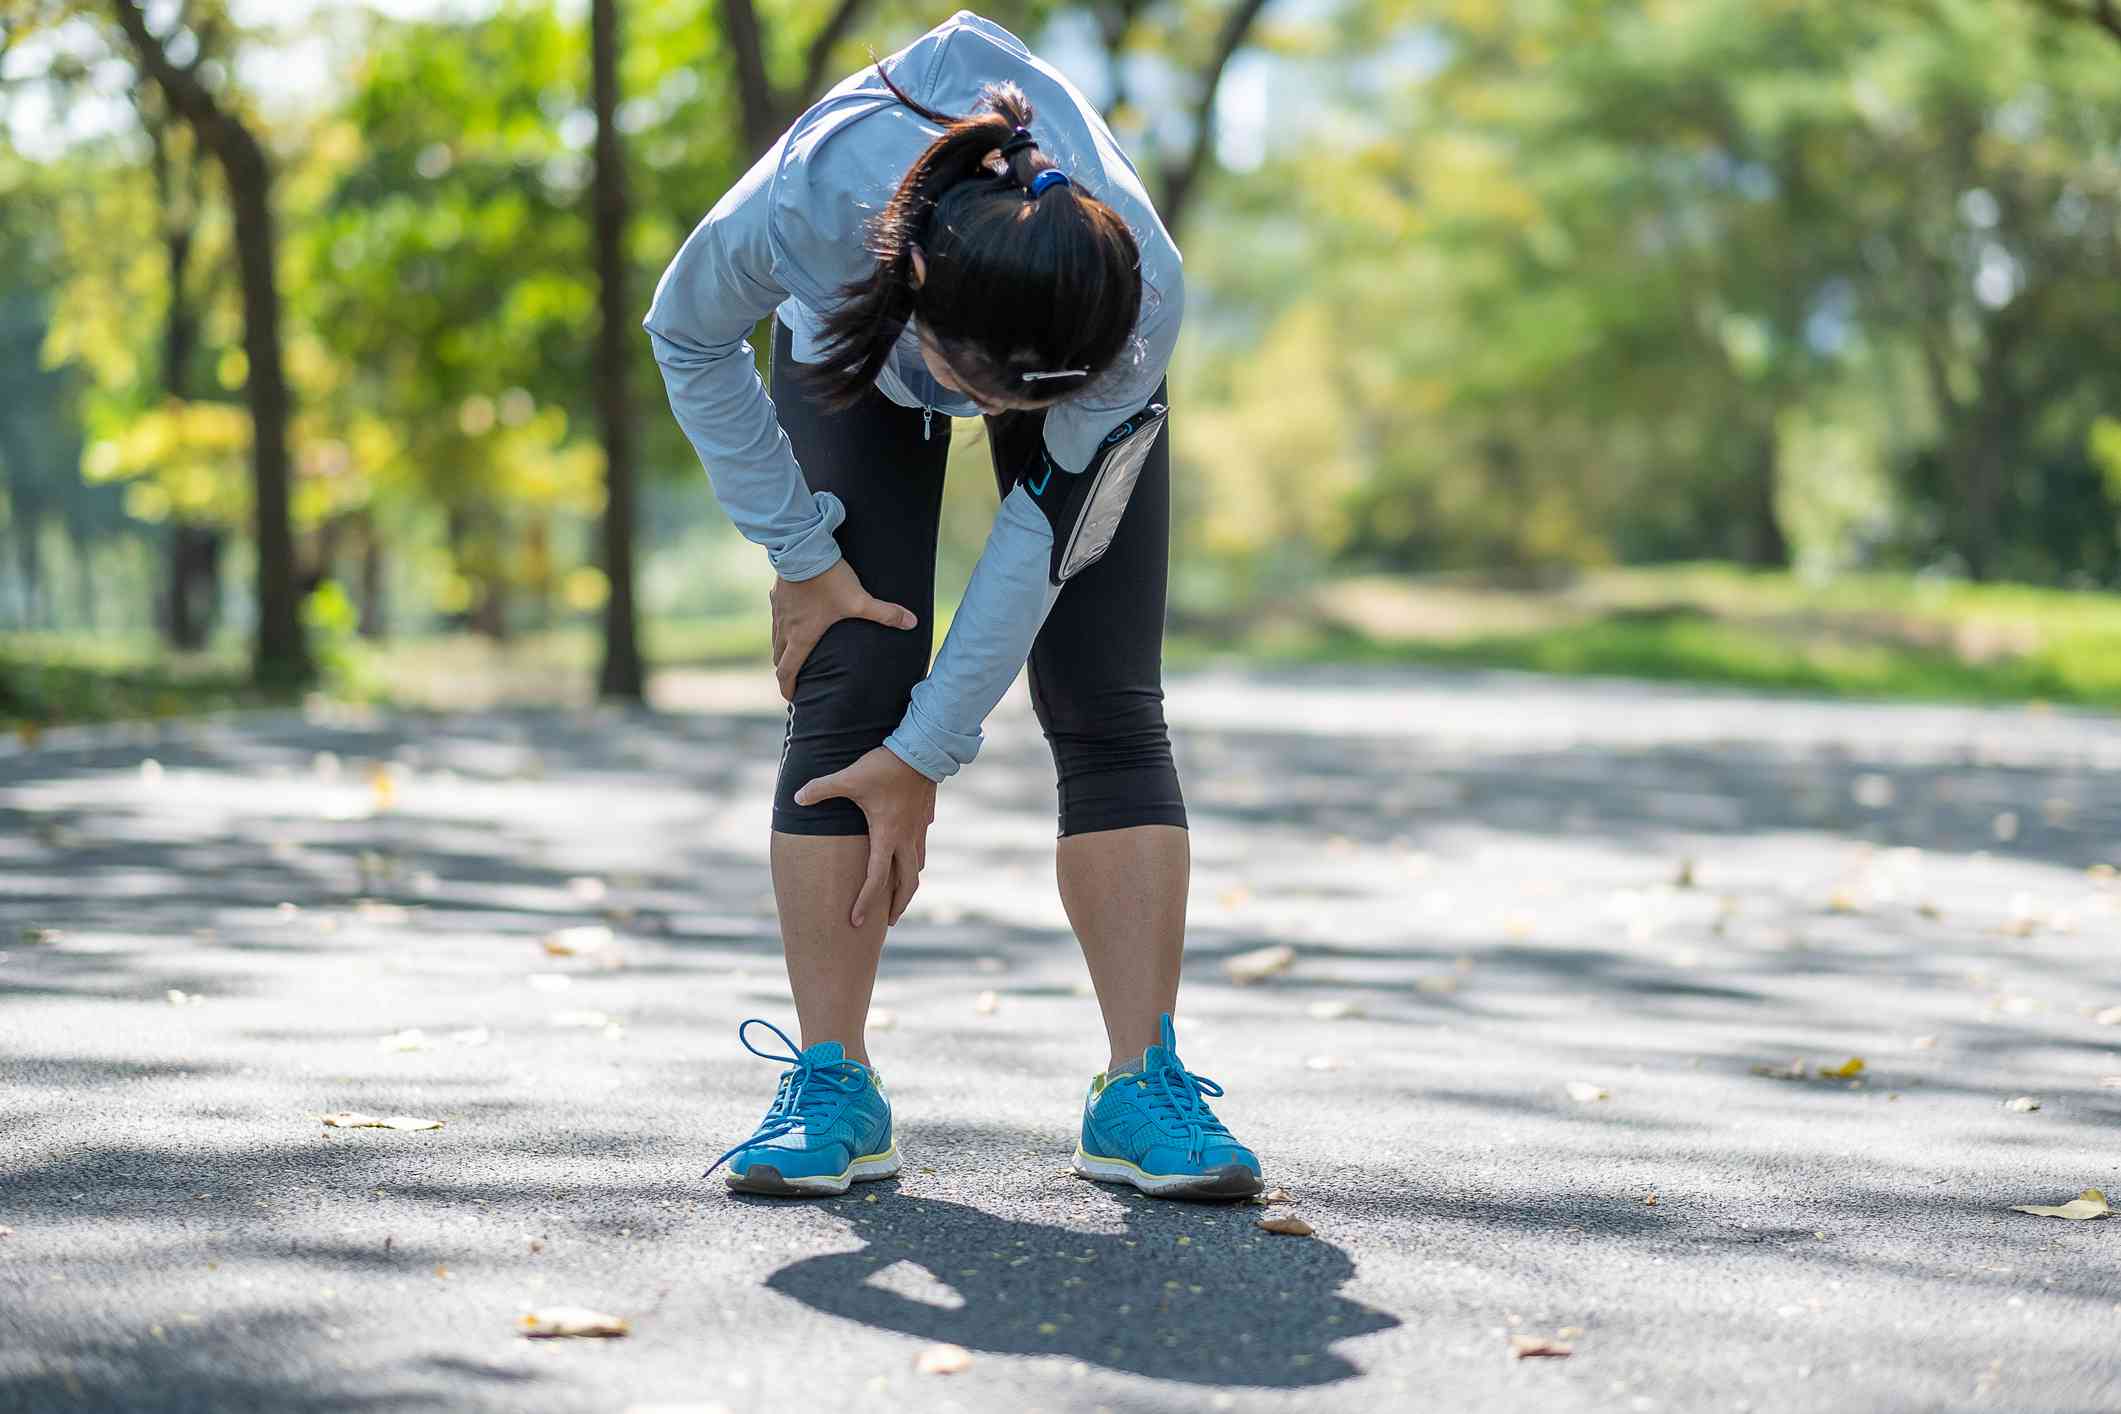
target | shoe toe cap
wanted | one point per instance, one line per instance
(794, 1160)
(1176, 1158)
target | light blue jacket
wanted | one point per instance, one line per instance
(787, 236)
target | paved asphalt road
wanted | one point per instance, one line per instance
(1515, 884)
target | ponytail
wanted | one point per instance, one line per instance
(1024, 276)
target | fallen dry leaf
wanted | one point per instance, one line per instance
(1847, 1070)
(581, 1018)
(349, 1119)
(1285, 1224)
(585, 940)
(1793, 1071)
(1274, 1195)
(943, 1359)
(1260, 964)
(1332, 1011)
(987, 1003)
(551, 1321)
(2091, 1203)
(177, 998)
(2024, 1104)
(1533, 1347)
(1924, 1043)
(1583, 1092)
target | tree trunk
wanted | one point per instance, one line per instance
(1182, 178)
(29, 555)
(621, 674)
(86, 601)
(763, 107)
(194, 586)
(369, 588)
(758, 106)
(1765, 546)
(281, 657)
(282, 654)
(192, 593)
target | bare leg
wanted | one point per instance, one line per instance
(1125, 893)
(831, 963)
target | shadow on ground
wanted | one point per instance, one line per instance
(947, 1272)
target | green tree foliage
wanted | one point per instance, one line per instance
(1516, 284)
(1621, 278)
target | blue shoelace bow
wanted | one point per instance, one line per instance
(1178, 1097)
(811, 1093)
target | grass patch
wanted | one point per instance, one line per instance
(1877, 636)
(1862, 636)
(45, 685)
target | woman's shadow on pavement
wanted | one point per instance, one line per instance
(1187, 1292)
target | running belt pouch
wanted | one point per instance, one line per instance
(1085, 510)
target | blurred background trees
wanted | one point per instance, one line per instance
(336, 305)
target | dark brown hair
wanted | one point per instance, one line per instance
(1015, 284)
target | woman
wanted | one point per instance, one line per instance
(953, 232)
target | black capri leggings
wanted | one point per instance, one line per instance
(1096, 666)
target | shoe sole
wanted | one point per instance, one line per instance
(766, 1179)
(1229, 1181)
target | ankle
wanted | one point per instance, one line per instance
(1127, 1064)
(854, 1048)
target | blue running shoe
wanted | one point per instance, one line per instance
(1153, 1129)
(829, 1125)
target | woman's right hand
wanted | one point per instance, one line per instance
(804, 609)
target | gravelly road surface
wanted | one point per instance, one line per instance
(1513, 884)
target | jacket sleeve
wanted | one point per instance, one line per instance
(719, 286)
(1005, 604)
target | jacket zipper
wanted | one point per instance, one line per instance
(927, 419)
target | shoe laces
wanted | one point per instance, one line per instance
(1177, 1098)
(810, 1096)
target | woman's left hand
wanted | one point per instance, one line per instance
(899, 803)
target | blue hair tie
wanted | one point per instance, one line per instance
(1051, 177)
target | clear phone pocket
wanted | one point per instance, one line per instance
(1111, 484)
